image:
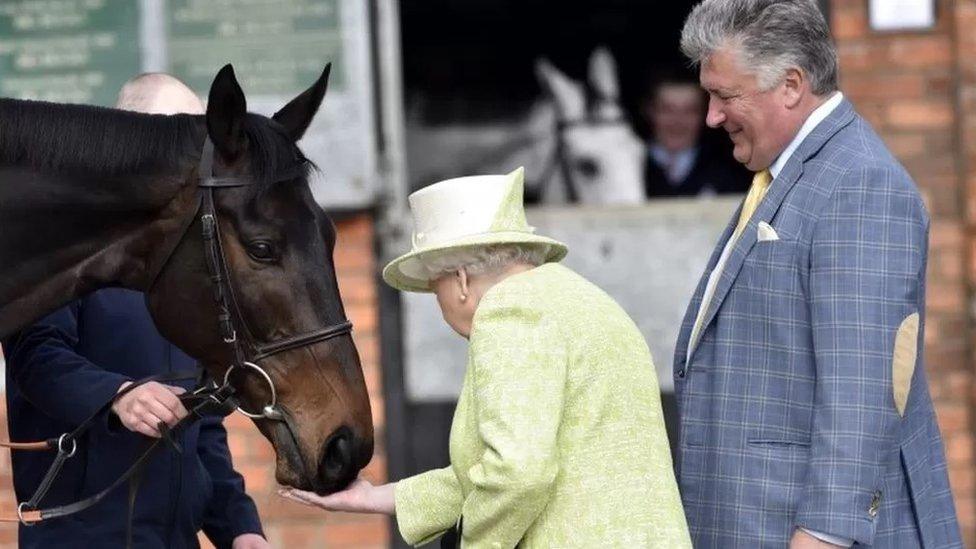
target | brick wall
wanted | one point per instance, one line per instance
(918, 90)
(289, 524)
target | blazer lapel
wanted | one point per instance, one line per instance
(781, 186)
(684, 334)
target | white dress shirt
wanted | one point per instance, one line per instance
(675, 165)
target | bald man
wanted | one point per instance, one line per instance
(73, 361)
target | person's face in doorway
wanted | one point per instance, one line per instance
(676, 114)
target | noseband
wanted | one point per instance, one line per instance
(226, 301)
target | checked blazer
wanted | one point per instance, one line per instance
(804, 402)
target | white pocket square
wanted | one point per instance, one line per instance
(766, 233)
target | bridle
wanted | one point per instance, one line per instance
(233, 330)
(229, 316)
(560, 158)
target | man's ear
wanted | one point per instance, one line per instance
(795, 86)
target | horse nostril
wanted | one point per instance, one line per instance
(337, 467)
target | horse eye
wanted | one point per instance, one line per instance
(588, 167)
(261, 251)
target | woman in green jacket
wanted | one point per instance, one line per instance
(558, 438)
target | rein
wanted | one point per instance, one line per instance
(207, 397)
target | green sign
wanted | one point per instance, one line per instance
(277, 47)
(74, 51)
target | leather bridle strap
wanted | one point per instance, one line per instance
(204, 399)
(264, 351)
(560, 157)
(233, 327)
(45, 445)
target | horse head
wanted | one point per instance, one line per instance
(275, 253)
(600, 158)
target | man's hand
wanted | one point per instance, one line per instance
(359, 497)
(250, 541)
(142, 409)
(803, 540)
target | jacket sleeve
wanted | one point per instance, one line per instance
(427, 505)
(519, 374)
(231, 511)
(43, 361)
(867, 269)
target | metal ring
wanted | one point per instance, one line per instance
(20, 514)
(274, 395)
(74, 446)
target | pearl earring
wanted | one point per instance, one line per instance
(464, 297)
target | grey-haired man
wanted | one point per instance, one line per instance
(805, 415)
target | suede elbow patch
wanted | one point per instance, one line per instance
(903, 363)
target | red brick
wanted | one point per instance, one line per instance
(353, 259)
(360, 533)
(358, 228)
(959, 450)
(906, 145)
(945, 297)
(257, 478)
(301, 536)
(364, 318)
(367, 342)
(962, 479)
(878, 87)
(357, 287)
(918, 114)
(921, 51)
(375, 471)
(848, 22)
(378, 407)
(953, 417)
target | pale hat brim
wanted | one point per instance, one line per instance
(406, 273)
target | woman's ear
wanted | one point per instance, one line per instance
(462, 278)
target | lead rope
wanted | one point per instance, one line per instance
(202, 401)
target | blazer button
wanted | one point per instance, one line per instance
(875, 505)
(681, 373)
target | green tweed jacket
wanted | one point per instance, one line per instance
(558, 438)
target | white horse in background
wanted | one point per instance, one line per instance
(573, 151)
(601, 159)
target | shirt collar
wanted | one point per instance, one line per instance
(815, 118)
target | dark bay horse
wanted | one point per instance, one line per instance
(93, 197)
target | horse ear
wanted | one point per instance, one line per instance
(602, 76)
(568, 95)
(226, 109)
(298, 113)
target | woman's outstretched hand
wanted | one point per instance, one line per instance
(359, 497)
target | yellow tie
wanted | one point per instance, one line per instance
(760, 184)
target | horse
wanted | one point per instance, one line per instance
(599, 157)
(574, 151)
(211, 216)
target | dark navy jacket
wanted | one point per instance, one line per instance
(62, 369)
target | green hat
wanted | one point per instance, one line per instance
(465, 212)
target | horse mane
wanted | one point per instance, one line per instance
(83, 139)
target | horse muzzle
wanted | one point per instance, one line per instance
(343, 456)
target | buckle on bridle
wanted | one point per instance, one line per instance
(270, 411)
(74, 446)
(20, 515)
